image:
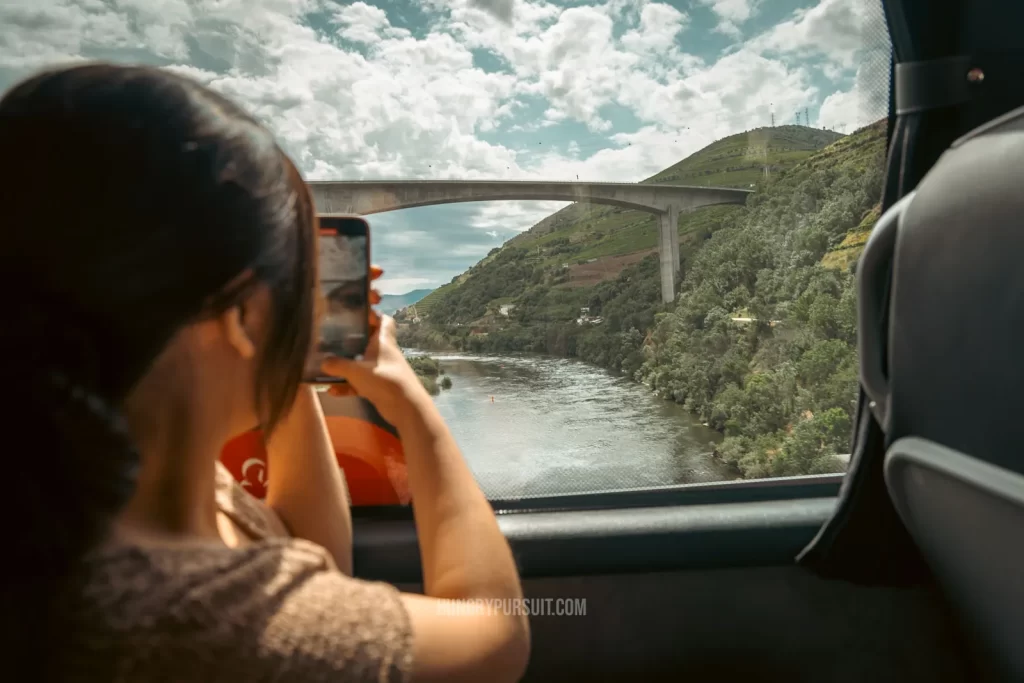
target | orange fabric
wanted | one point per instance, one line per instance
(372, 460)
(245, 458)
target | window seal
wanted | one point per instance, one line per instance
(710, 493)
(602, 542)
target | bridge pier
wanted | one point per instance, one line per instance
(668, 252)
(674, 212)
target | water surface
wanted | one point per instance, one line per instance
(559, 426)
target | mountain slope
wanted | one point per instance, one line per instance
(739, 160)
(592, 243)
(735, 161)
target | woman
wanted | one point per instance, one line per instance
(159, 262)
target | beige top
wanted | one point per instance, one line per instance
(276, 610)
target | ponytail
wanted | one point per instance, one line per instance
(70, 468)
(79, 473)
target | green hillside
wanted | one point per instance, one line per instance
(739, 160)
(581, 232)
(425, 305)
(588, 243)
(586, 231)
(760, 342)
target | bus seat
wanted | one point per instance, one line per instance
(948, 367)
(944, 376)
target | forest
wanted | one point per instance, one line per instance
(760, 341)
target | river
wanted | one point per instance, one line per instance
(559, 426)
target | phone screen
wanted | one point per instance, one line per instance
(344, 248)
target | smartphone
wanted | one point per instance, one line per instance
(344, 246)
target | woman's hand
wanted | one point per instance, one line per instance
(382, 376)
(374, 327)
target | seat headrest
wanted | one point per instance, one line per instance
(955, 347)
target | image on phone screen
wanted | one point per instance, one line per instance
(344, 253)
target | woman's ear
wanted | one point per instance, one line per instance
(238, 336)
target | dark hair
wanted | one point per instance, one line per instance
(134, 202)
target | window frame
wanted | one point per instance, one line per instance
(735, 492)
(801, 487)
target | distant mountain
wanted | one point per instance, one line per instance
(389, 303)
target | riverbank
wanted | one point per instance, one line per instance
(431, 374)
(426, 341)
(774, 418)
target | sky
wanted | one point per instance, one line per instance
(600, 90)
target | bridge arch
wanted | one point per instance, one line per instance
(410, 203)
(369, 197)
(665, 201)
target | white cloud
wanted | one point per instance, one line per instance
(846, 41)
(731, 14)
(401, 285)
(729, 29)
(838, 29)
(506, 218)
(732, 10)
(660, 24)
(36, 34)
(866, 102)
(361, 23)
(359, 97)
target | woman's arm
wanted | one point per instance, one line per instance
(464, 554)
(305, 486)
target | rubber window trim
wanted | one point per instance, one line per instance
(593, 542)
(721, 492)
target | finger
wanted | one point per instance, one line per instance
(376, 272)
(385, 329)
(374, 322)
(344, 368)
(342, 390)
(374, 297)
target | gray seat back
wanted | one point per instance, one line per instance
(967, 517)
(945, 265)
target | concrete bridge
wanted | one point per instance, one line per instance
(664, 201)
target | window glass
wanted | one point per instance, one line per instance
(638, 270)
